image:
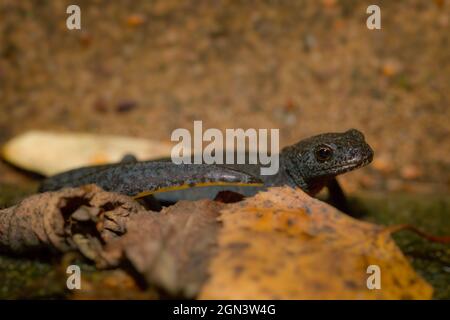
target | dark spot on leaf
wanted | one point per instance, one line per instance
(238, 270)
(350, 284)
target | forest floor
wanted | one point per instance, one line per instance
(145, 68)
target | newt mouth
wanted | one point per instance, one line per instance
(353, 165)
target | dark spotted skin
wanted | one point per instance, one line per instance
(136, 178)
(301, 165)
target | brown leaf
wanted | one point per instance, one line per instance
(278, 244)
(171, 249)
(283, 244)
(68, 219)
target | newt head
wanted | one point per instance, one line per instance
(314, 161)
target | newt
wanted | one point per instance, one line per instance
(310, 164)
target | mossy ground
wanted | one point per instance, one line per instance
(44, 277)
(426, 212)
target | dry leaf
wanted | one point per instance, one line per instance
(49, 153)
(283, 244)
(171, 249)
(69, 219)
(279, 244)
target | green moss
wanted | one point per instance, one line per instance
(22, 278)
(12, 194)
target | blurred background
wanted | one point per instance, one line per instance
(145, 68)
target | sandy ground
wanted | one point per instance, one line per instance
(145, 68)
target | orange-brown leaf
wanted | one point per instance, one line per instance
(283, 244)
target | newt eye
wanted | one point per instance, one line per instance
(323, 153)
